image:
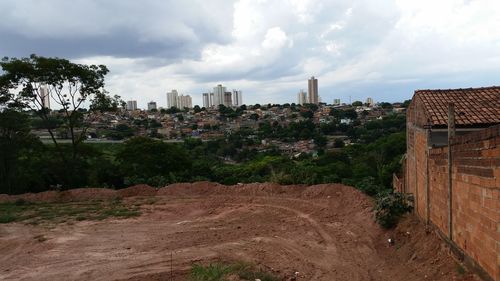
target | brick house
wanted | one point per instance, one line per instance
(458, 193)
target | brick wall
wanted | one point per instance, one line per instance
(475, 189)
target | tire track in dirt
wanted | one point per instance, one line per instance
(324, 232)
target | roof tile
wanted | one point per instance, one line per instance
(473, 106)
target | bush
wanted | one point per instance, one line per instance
(390, 206)
(369, 186)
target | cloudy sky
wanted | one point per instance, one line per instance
(383, 49)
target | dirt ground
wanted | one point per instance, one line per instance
(323, 232)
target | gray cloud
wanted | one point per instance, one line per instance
(76, 29)
(267, 48)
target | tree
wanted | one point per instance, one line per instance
(67, 84)
(307, 114)
(14, 137)
(357, 103)
(144, 158)
(197, 109)
(386, 105)
(172, 110)
(351, 114)
(254, 116)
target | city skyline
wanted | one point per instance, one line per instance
(358, 49)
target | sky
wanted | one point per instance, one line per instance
(383, 49)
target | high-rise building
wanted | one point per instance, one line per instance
(237, 98)
(184, 101)
(211, 99)
(172, 98)
(151, 105)
(206, 100)
(369, 101)
(313, 91)
(336, 101)
(44, 95)
(219, 93)
(228, 99)
(301, 97)
(131, 105)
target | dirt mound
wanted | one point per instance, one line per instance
(421, 250)
(46, 196)
(322, 232)
(137, 190)
(191, 189)
(5, 198)
(83, 194)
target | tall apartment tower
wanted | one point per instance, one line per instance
(313, 91)
(184, 101)
(206, 100)
(301, 97)
(151, 105)
(219, 93)
(132, 105)
(237, 98)
(369, 101)
(336, 101)
(43, 93)
(172, 98)
(228, 99)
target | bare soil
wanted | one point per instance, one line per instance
(323, 232)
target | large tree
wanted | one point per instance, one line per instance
(30, 83)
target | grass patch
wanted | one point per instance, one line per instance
(7, 217)
(40, 213)
(221, 271)
(460, 269)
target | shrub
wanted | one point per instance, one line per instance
(390, 206)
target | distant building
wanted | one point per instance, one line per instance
(172, 98)
(369, 101)
(301, 97)
(228, 100)
(44, 97)
(151, 105)
(219, 92)
(132, 105)
(211, 99)
(184, 101)
(336, 101)
(206, 100)
(237, 98)
(313, 90)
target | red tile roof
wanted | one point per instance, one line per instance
(473, 106)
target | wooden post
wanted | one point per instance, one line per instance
(451, 134)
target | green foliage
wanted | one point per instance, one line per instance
(369, 186)
(390, 206)
(145, 158)
(48, 213)
(220, 272)
(211, 272)
(172, 110)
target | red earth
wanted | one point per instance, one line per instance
(323, 232)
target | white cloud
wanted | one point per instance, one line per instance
(270, 48)
(275, 39)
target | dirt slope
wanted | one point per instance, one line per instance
(323, 232)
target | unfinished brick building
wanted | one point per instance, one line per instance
(457, 192)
